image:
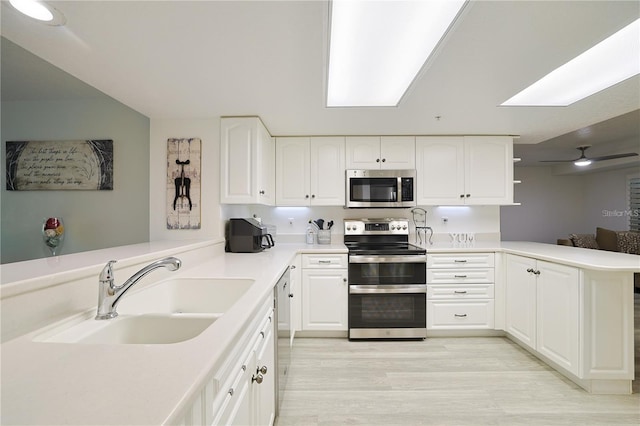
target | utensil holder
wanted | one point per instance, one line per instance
(324, 236)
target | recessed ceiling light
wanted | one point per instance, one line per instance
(377, 48)
(39, 10)
(609, 62)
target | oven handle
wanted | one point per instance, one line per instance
(381, 289)
(417, 258)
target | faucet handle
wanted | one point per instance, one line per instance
(107, 272)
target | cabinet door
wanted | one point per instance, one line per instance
(558, 319)
(292, 172)
(363, 152)
(295, 279)
(327, 171)
(237, 408)
(266, 167)
(237, 154)
(247, 174)
(488, 170)
(397, 152)
(264, 392)
(521, 299)
(324, 299)
(440, 170)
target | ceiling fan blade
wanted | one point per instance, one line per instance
(559, 161)
(611, 157)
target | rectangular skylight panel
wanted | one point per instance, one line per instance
(378, 47)
(609, 62)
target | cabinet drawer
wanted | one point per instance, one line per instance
(324, 261)
(476, 314)
(465, 260)
(464, 275)
(459, 292)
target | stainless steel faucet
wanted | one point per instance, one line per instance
(109, 295)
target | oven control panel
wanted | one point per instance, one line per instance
(376, 227)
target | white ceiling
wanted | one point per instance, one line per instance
(199, 59)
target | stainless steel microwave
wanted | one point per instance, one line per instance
(381, 188)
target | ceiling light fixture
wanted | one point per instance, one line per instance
(377, 48)
(582, 162)
(609, 62)
(39, 10)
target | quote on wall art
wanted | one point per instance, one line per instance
(59, 165)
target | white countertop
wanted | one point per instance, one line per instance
(599, 260)
(59, 383)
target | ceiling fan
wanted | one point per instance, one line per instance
(583, 160)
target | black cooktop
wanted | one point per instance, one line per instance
(399, 248)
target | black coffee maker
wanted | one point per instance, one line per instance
(247, 235)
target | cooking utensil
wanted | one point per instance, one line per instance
(330, 224)
(320, 223)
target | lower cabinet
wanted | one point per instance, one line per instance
(246, 381)
(543, 308)
(460, 291)
(324, 292)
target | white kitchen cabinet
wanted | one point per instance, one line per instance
(263, 379)
(520, 319)
(247, 160)
(542, 311)
(324, 292)
(557, 314)
(455, 170)
(460, 291)
(381, 152)
(243, 389)
(310, 171)
(295, 278)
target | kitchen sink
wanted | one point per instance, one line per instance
(186, 295)
(137, 329)
(170, 311)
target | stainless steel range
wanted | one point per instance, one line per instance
(387, 280)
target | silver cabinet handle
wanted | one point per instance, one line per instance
(530, 270)
(459, 276)
(324, 262)
(460, 292)
(258, 378)
(536, 272)
(263, 369)
(460, 315)
(459, 261)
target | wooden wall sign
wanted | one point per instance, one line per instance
(59, 165)
(183, 183)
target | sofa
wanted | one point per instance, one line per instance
(609, 240)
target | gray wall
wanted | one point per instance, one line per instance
(93, 219)
(555, 206)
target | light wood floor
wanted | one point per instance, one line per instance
(441, 381)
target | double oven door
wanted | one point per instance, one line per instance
(387, 296)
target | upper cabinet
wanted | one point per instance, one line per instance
(454, 170)
(310, 171)
(247, 173)
(381, 152)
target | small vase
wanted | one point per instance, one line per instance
(53, 234)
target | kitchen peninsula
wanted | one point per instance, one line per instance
(66, 383)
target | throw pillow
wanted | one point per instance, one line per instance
(629, 242)
(607, 239)
(584, 240)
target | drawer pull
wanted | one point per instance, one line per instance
(460, 315)
(459, 276)
(460, 292)
(460, 261)
(324, 262)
